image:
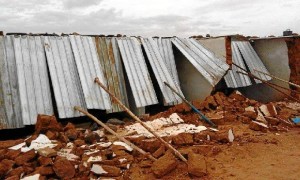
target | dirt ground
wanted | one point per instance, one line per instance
(254, 155)
(265, 145)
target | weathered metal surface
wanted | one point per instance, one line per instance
(4, 121)
(64, 76)
(33, 80)
(137, 72)
(212, 68)
(89, 67)
(161, 71)
(232, 78)
(110, 60)
(166, 51)
(11, 98)
(252, 60)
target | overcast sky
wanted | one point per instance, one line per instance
(151, 17)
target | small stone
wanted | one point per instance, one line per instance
(183, 139)
(5, 166)
(69, 126)
(47, 152)
(272, 121)
(258, 126)
(45, 123)
(115, 121)
(51, 135)
(105, 170)
(12, 154)
(244, 119)
(164, 165)
(25, 157)
(159, 152)
(150, 145)
(79, 142)
(14, 177)
(64, 169)
(63, 138)
(197, 165)
(91, 137)
(250, 114)
(15, 172)
(45, 161)
(45, 170)
(72, 134)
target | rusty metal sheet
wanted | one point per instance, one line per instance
(232, 78)
(166, 50)
(89, 67)
(64, 76)
(137, 72)
(110, 60)
(33, 80)
(161, 71)
(206, 62)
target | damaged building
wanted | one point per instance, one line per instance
(163, 103)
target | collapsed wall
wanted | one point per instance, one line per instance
(293, 45)
(274, 54)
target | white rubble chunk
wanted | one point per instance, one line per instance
(128, 148)
(230, 135)
(94, 159)
(33, 177)
(97, 169)
(18, 146)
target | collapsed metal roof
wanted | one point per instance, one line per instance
(64, 76)
(211, 67)
(166, 51)
(137, 72)
(89, 67)
(110, 60)
(245, 56)
(161, 71)
(232, 78)
(33, 80)
(252, 60)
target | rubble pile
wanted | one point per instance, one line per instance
(57, 152)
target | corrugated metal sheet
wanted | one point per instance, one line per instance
(161, 71)
(33, 80)
(232, 78)
(88, 66)
(165, 48)
(212, 68)
(4, 121)
(137, 72)
(64, 76)
(110, 60)
(252, 60)
(10, 101)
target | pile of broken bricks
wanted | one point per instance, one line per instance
(57, 152)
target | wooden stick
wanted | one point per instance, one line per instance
(267, 83)
(293, 84)
(192, 106)
(114, 133)
(177, 153)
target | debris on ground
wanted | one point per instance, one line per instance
(67, 152)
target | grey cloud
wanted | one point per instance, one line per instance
(80, 3)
